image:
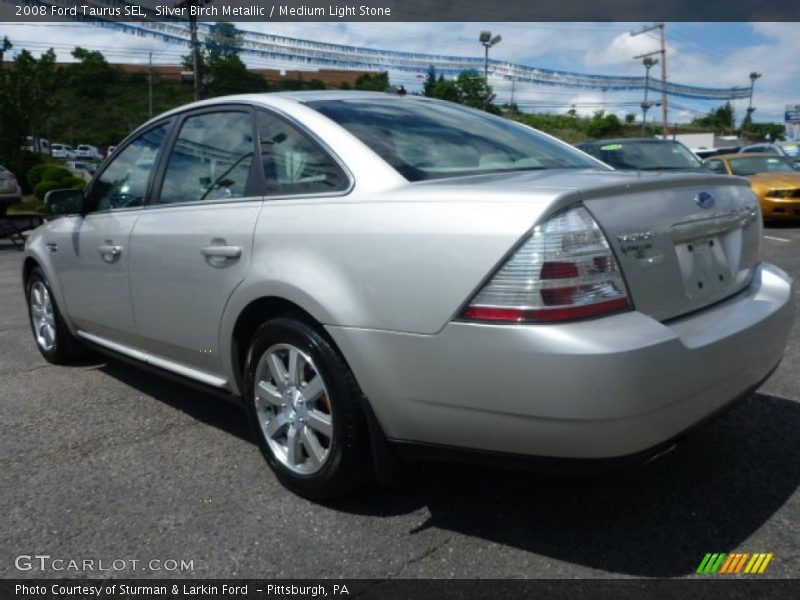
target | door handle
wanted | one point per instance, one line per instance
(222, 251)
(51, 247)
(109, 249)
(109, 252)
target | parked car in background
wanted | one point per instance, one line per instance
(645, 154)
(775, 181)
(10, 192)
(704, 153)
(37, 144)
(790, 150)
(87, 152)
(62, 151)
(81, 169)
(110, 151)
(377, 278)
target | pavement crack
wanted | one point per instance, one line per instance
(29, 370)
(429, 552)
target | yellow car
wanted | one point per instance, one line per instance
(774, 179)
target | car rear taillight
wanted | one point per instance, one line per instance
(565, 270)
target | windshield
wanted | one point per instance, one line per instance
(752, 165)
(644, 155)
(430, 140)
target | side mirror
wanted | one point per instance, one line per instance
(59, 203)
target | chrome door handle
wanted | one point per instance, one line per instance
(51, 247)
(222, 251)
(109, 252)
(108, 249)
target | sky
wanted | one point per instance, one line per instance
(707, 54)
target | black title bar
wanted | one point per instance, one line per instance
(401, 10)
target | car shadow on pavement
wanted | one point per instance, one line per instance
(199, 405)
(657, 520)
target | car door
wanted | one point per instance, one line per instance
(191, 246)
(93, 252)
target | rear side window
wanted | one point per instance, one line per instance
(293, 164)
(211, 158)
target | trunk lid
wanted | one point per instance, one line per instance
(682, 243)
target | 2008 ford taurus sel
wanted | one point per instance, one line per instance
(376, 276)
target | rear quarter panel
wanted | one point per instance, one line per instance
(391, 265)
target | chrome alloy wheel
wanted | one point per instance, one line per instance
(293, 409)
(44, 321)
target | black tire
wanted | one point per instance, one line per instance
(67, 349)
(347, 464)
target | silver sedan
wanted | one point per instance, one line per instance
(377, 278)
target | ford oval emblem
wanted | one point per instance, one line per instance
(704, 200)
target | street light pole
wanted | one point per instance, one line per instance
(488, 41)
(648, 63)
(750, 109)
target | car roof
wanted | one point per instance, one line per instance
(623, 141)
(286, 100)
(738, 155)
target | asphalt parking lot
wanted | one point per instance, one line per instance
(103, 461)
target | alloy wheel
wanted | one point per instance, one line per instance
(44, 322)
(293, 409)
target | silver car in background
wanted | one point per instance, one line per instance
(377, 277)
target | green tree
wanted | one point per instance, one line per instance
(27, 100)
(469, 88)
(223, 70)
(447, 89)
(430, 83)
(602, 125)
(91, 76)
(630, 118)
(760, 131)
(374, 83)
(719, 118)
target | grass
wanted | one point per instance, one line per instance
(30, 205)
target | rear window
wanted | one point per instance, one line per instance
(644, 156)
(760, 164)
(432, 140)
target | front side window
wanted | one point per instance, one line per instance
(123, 184)
(293, 164)
(430, 140)
(211, 159)
(716, 166)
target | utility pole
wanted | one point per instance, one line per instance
(191, 6)
(196, 61)
(663, 53)
(150, 85)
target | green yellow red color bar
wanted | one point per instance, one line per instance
(734, 562)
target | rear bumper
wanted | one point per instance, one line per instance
(604, 388)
